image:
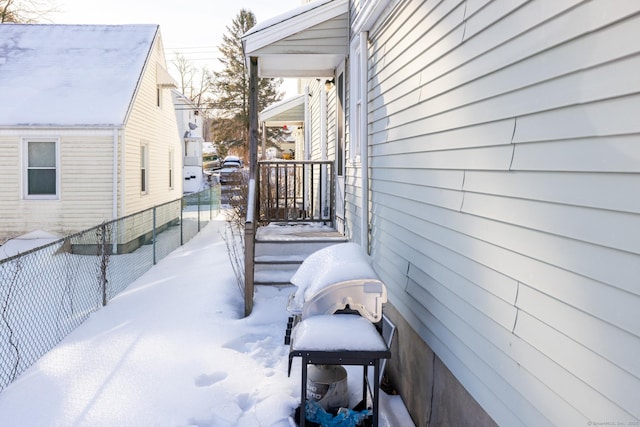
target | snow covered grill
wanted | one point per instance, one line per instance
(337, 303)
(338, 277)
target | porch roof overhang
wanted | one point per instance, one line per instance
(287, 112)
(308, 41)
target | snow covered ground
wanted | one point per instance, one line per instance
(173, 350)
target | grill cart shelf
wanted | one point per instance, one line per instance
(311, 342)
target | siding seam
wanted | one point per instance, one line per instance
(464, 177)
(433, 388)
(464, 21)
(513, 146)
(407, 277)
(515, 304)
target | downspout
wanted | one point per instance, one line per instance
(116, 159)
(307, 125)
(116, 147)
(364, 145)
(264, 141)
(323, 123)
(323, 150)
(123, 172)
(307, 141)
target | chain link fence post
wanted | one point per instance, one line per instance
(198, 212)
(103, 259)
(183, 205)
(153, 236)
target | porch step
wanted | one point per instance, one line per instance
(290, 250)
(273, 277)
(278, 255)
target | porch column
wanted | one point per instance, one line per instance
(253, 116)
(250, 224)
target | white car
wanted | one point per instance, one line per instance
(232, 161)
(231, 172)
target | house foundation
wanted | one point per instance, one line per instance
(432, 395)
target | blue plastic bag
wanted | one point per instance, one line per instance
(345, 417)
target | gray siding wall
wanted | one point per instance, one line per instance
(319, 149)
(353, 168)
(505, 177)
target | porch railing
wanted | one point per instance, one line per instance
(296, 191)
(285, 191)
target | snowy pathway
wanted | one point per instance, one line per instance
(171, 350)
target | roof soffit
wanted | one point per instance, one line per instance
(288, 25)
(306, 44)
(289, 111)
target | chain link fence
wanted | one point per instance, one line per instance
(47, 292)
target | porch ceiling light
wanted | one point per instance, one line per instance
(329, 84)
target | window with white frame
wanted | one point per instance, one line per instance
(41, 168)
(144, 168)
(357, 96)
(170, 169)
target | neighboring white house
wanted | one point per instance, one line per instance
(190, 131)
(87, 126)
(492, 170)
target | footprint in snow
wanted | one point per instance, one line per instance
(245, 343)
(205, 380)
(244, 401)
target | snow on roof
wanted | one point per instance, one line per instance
(70, 75)
(286, 16)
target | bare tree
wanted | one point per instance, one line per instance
(185, 70)
(25, 11)
(195, 85)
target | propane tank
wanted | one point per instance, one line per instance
(327, 385)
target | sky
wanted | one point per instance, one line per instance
(193, 28)
(174, 350)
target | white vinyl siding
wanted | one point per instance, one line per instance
(365, 17)
(504, 182)
(323, 134)
(85, 166)
(156, 127)
(85, 182)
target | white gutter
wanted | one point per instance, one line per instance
(307, 138)
(123, 172)
(323, 146)
(114, 199)
(323, 122)
(307, 125)
(115, 173)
